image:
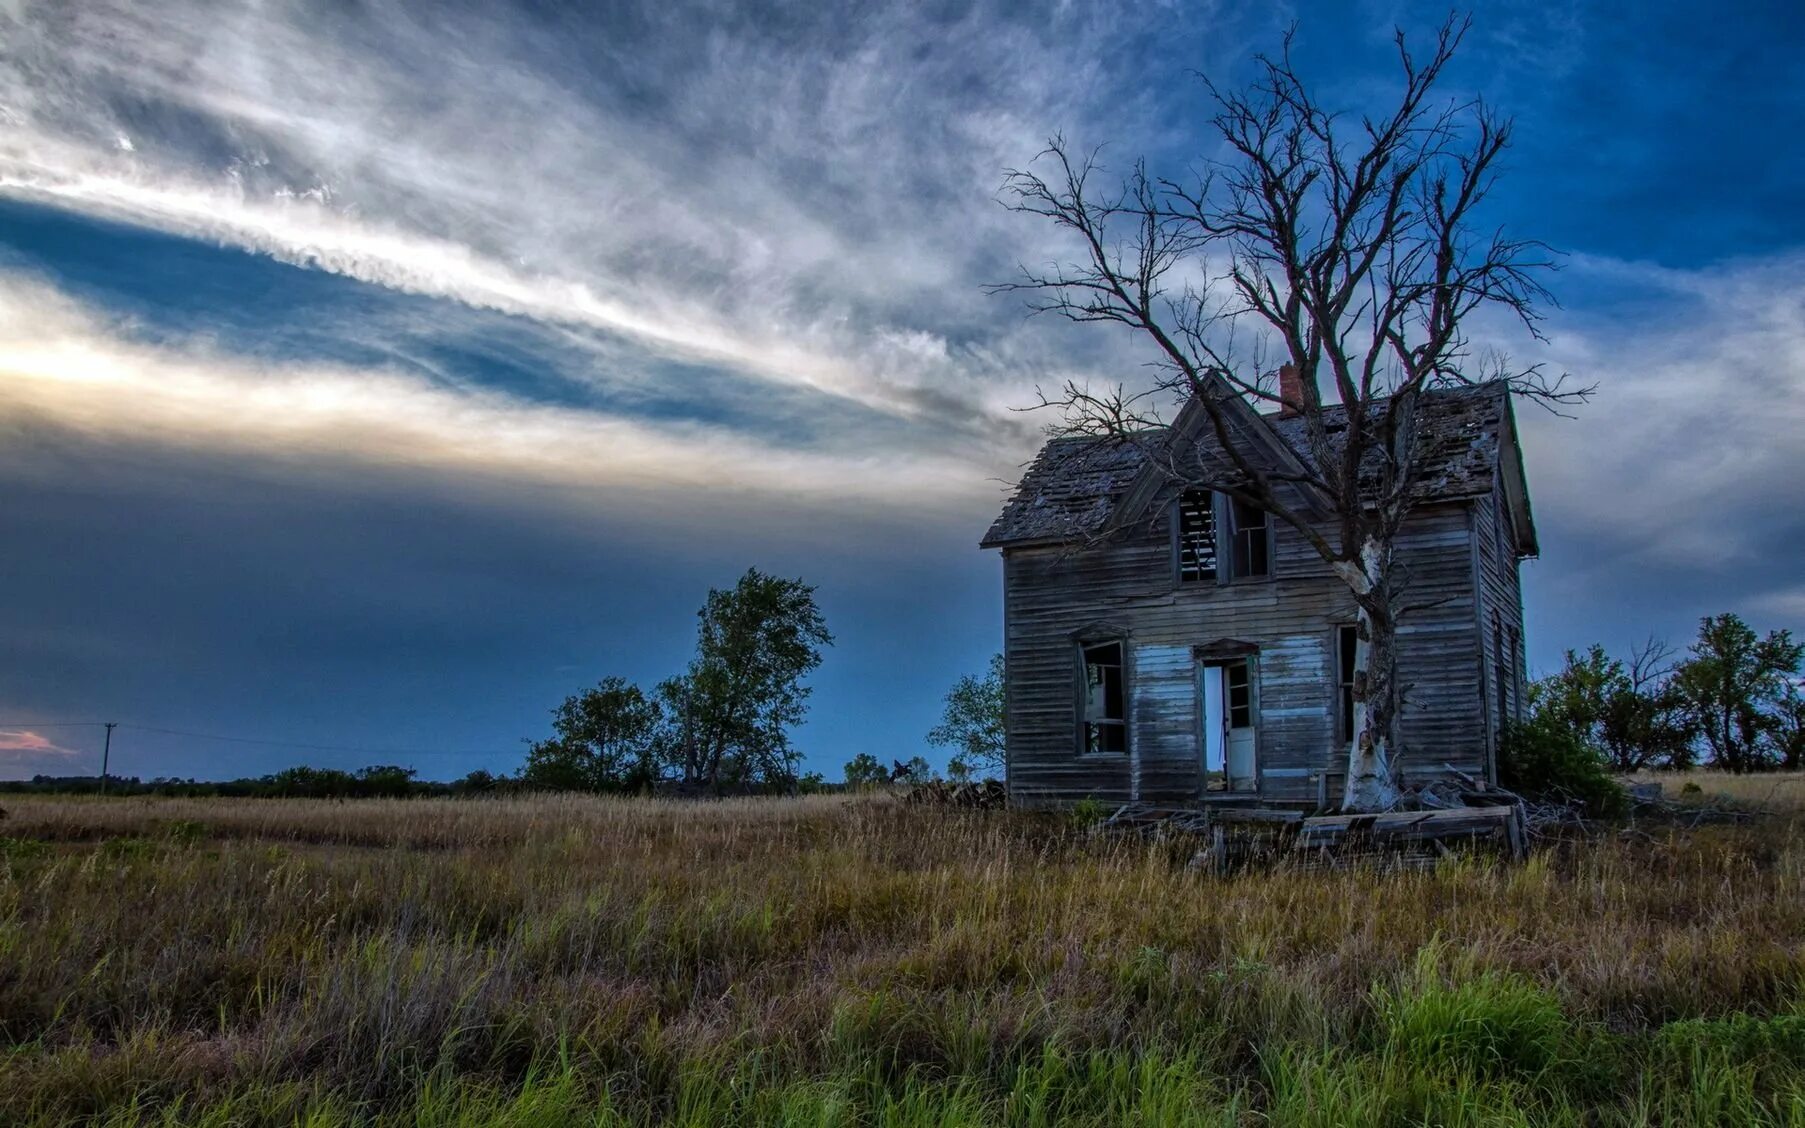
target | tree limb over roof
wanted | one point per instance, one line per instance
(1080, 487)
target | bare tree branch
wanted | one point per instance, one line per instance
(1357, 249)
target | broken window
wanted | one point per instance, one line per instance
(1104, 703)
(1516, 686)
(1240, 697)
(1500, 686)
(1347, 644)
(1251, 538)
(1196, 536)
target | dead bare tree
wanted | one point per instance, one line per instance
(1360, 251)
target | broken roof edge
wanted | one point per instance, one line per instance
(1088, 487)
(1523, 513)
(1007, 544)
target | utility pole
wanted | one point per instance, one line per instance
(106, 754)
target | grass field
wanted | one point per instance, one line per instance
(828, 960)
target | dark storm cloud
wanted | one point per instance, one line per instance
(360, 606)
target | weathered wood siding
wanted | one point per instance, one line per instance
(1054, 596)
(1500, 612)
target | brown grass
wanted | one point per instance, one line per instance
(275, 956)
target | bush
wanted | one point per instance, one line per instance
(1088, 811)
(1545, 760)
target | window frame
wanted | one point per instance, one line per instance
(1344, 680)
(1213, 575)
(1081, 697)
(1500, 687)
(1226, 535)
(1242, 712)
(1512, 642)
(1232, 509)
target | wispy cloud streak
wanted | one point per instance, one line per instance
(801, 198)
(66, 367)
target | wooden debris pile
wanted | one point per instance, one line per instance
(1240, 836)
(990, 795)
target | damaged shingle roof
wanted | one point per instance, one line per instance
(1074, 483)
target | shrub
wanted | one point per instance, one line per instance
(1543, 759)
(1088, 811)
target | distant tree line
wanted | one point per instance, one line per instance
(378, 781)
(722, 726)
(1733, 701)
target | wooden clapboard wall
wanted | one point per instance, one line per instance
(1460, 572)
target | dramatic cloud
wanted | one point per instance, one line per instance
(1674, 494)
(1693, 443)
(24, 753)
(64, 367)
(798, 198)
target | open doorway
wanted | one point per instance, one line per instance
(1229, 748)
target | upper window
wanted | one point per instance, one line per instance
(1196, 536)
(1216, 539)
(1347, 642)
(1252, 541)
(1104, 701)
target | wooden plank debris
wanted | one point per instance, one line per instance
(1237, 835)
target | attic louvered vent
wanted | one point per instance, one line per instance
(1196, 536)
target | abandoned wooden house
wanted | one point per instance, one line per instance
(1162, 644)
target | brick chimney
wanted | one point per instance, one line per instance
(1291, 392)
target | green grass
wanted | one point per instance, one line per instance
(856, 962)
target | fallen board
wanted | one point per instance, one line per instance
(1502, 824)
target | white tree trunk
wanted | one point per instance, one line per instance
(1372, 783)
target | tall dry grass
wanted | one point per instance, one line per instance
(829, 960)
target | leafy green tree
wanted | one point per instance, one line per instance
(731, 712)
(1629, 716)
(1734, 686)
(603, 742)
(973, 723)
(864, 770)
(1790, 730)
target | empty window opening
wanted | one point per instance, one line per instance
(1196, 536)
(1105, 721)
(1252, 541)
(1347, 644)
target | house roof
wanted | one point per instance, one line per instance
(1073, 486)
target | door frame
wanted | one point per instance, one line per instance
(1219, 655)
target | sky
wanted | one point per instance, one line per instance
(373, 375)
